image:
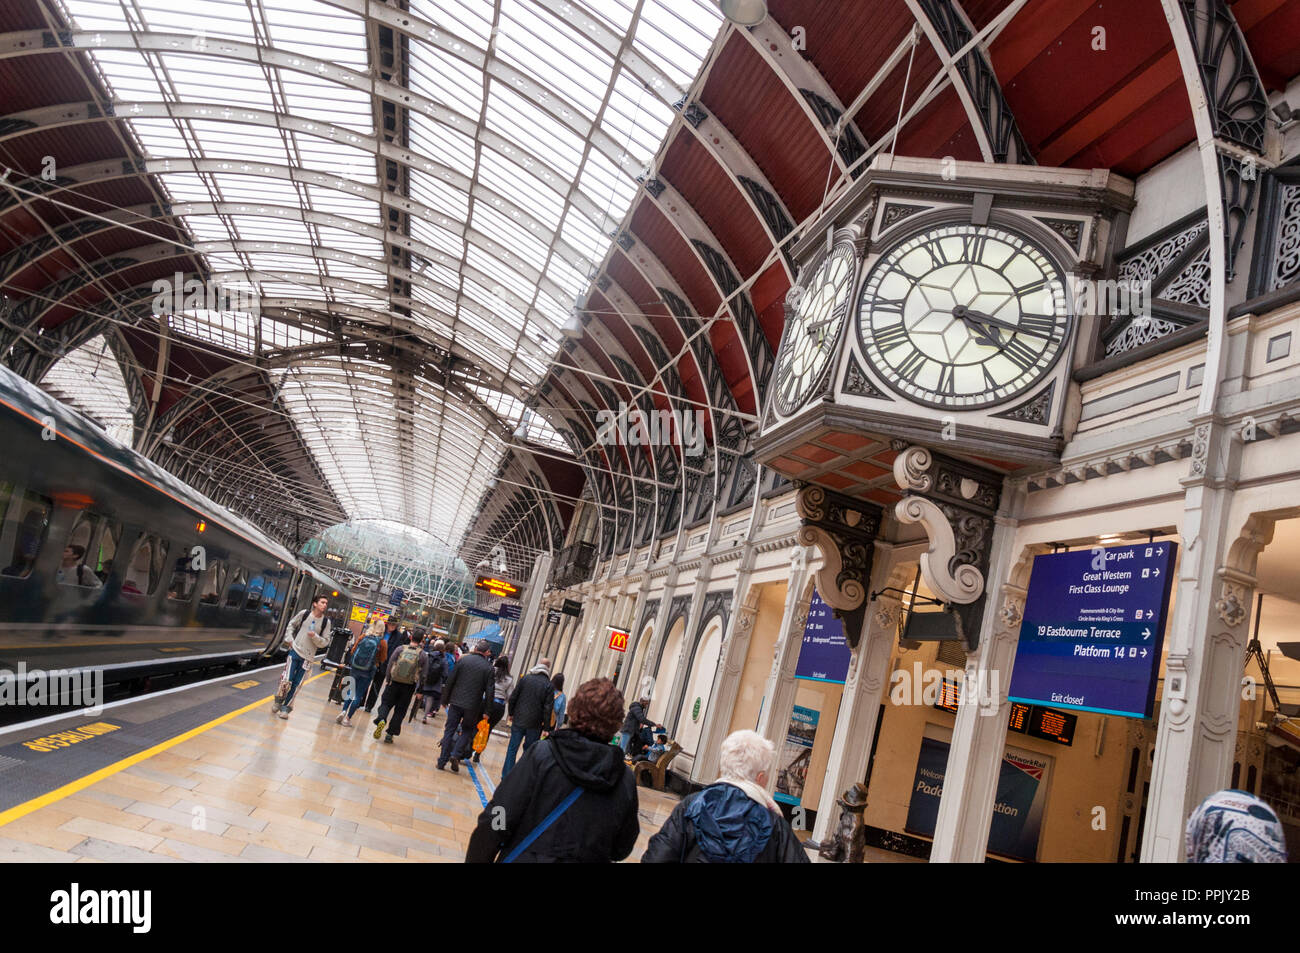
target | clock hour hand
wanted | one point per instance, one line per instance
(985, 334)
(968, 315)
(812, 329)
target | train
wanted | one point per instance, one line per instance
(110, 563)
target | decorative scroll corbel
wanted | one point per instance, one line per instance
(844, 531)
(955, 503)
(960, 582)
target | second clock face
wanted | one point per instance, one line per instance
(814, 329)
(962, 316)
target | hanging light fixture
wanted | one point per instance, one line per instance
(744, 12)
(573, 327)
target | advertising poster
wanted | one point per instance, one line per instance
(796, 752)
(1017, 812)
(824, 655)
(1093, 629)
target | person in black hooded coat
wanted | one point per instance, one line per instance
(600, 826)
(732, 821)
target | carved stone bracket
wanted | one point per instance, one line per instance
(955, 502)
(844, 531)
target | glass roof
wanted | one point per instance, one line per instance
(89, 380)
(529, 122)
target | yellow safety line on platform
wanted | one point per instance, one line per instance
(72, 787)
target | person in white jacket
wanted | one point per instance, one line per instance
(308, 631)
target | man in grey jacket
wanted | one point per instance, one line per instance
(468, 693)
(308, 631)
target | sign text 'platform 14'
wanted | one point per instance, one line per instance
(1093, 629)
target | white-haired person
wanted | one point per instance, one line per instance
(732, 821)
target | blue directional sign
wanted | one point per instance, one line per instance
(482, 613)
(824, 656)
(1093, 629)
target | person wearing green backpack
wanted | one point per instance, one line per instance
(403, 674)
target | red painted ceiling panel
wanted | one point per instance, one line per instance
(691, 170)
(663, 240)
(1271, 28)
(761, 112)
(1071, 98)
(768, 294)
(848, 40)
(939, 130)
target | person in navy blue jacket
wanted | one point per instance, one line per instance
(732, 821)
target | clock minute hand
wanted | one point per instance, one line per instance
(979, 317)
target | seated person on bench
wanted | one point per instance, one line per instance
(659, 747)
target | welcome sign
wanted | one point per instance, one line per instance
(1017, 809)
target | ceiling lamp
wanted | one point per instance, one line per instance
(573, 327)
(744, 12)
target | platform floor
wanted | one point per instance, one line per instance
(210, 775)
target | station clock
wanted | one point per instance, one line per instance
(963, 316)
(813, 330)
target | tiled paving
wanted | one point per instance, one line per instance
(256, 788)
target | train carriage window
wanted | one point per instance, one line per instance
(255, 587)
(184, 579)
(106, 548)
(144, 571)
(212, 581)
(238, 586)
(75, 567)
(27, 516)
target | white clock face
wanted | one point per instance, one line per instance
(963, 316)
(814, 329)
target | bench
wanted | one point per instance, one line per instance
(656, 772)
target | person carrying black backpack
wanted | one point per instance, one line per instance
(369, 653)
(433, 672)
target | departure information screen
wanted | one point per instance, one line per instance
(1033, 720)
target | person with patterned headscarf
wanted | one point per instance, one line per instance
(1234, 827)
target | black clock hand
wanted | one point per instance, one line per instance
(814, 328)
(985, 334)
(969, 314)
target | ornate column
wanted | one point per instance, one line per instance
(678, 688)
(864, 688)
(599, 619)
(1206, 650)
(979, 735)
(657, 637)
(1207, 638)
(726, 684)
(778, 693)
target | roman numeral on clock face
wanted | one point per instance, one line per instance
(1039, 325)
(1020, 354)
(947, 380)
(1033, 287)
(890, 337)
(911, 366)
